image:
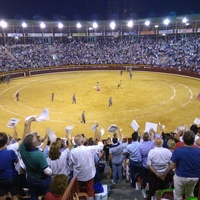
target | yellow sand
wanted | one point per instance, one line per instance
(148, 97)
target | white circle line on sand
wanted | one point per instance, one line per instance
(172, 109)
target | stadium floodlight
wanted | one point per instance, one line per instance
(112, 25)
(3, 24)
(42, 25)
(24, 25)
(156, 26)
(95, 25)
(130, 23)
(185, 20)
(147, 23)
(78, 25)
(166, 22)
(60, 25)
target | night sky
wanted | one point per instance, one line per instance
(91, 9)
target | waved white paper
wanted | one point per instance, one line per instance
(68, 128)
(150, 125)
(102, 131)
(180, 128)
(112, 128)
(197, 121)
(12, 122)
(134, 125)
(43, 116)
(52, 136)
(93, 127)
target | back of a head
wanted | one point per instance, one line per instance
(91, 142)
(158, 142)
(189, 137)
(109, 141)
(54, 152)
(3, 139)
(145, 136)
(114, 140)
(135, 136)
(194, 128)
(171, 144)
(29, 142)
(59, 184)
(78, 139)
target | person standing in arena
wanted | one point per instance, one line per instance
(52, 97)
(17, 96)
(110, 102)
(74, 99)
(83, 117)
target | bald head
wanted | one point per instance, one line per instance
(158, 142)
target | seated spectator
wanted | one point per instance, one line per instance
(58, 186)
(186, 161)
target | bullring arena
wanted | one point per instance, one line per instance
(148, 97)
(41, 59)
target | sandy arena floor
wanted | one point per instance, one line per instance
(148, 97)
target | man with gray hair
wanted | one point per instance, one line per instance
(82, 161)
(158, 161)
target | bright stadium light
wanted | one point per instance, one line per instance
(42, 25)
(60, 25)
(78, 25)
(95, 25)
(112, 25)
(3, 24)
(130, 24)
(147, 23)
(156, 26)
(166, 22)
(24, 25)
(185, 20)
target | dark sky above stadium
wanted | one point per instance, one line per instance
(91, 9)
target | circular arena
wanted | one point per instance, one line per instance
(158, 69)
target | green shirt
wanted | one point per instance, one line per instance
(35, 162)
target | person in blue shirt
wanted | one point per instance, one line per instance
(9, 179)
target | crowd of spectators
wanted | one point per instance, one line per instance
(39, 163)
(178, 53)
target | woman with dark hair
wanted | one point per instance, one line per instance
(58, 186)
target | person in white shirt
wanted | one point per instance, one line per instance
(82, 162)
(158, 161)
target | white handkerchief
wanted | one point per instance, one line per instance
(52, 136)
(43, 116)
(112, 128)
(102, 131)
(150, 125)
(12, 122)
(134, 125)
(197, 121)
